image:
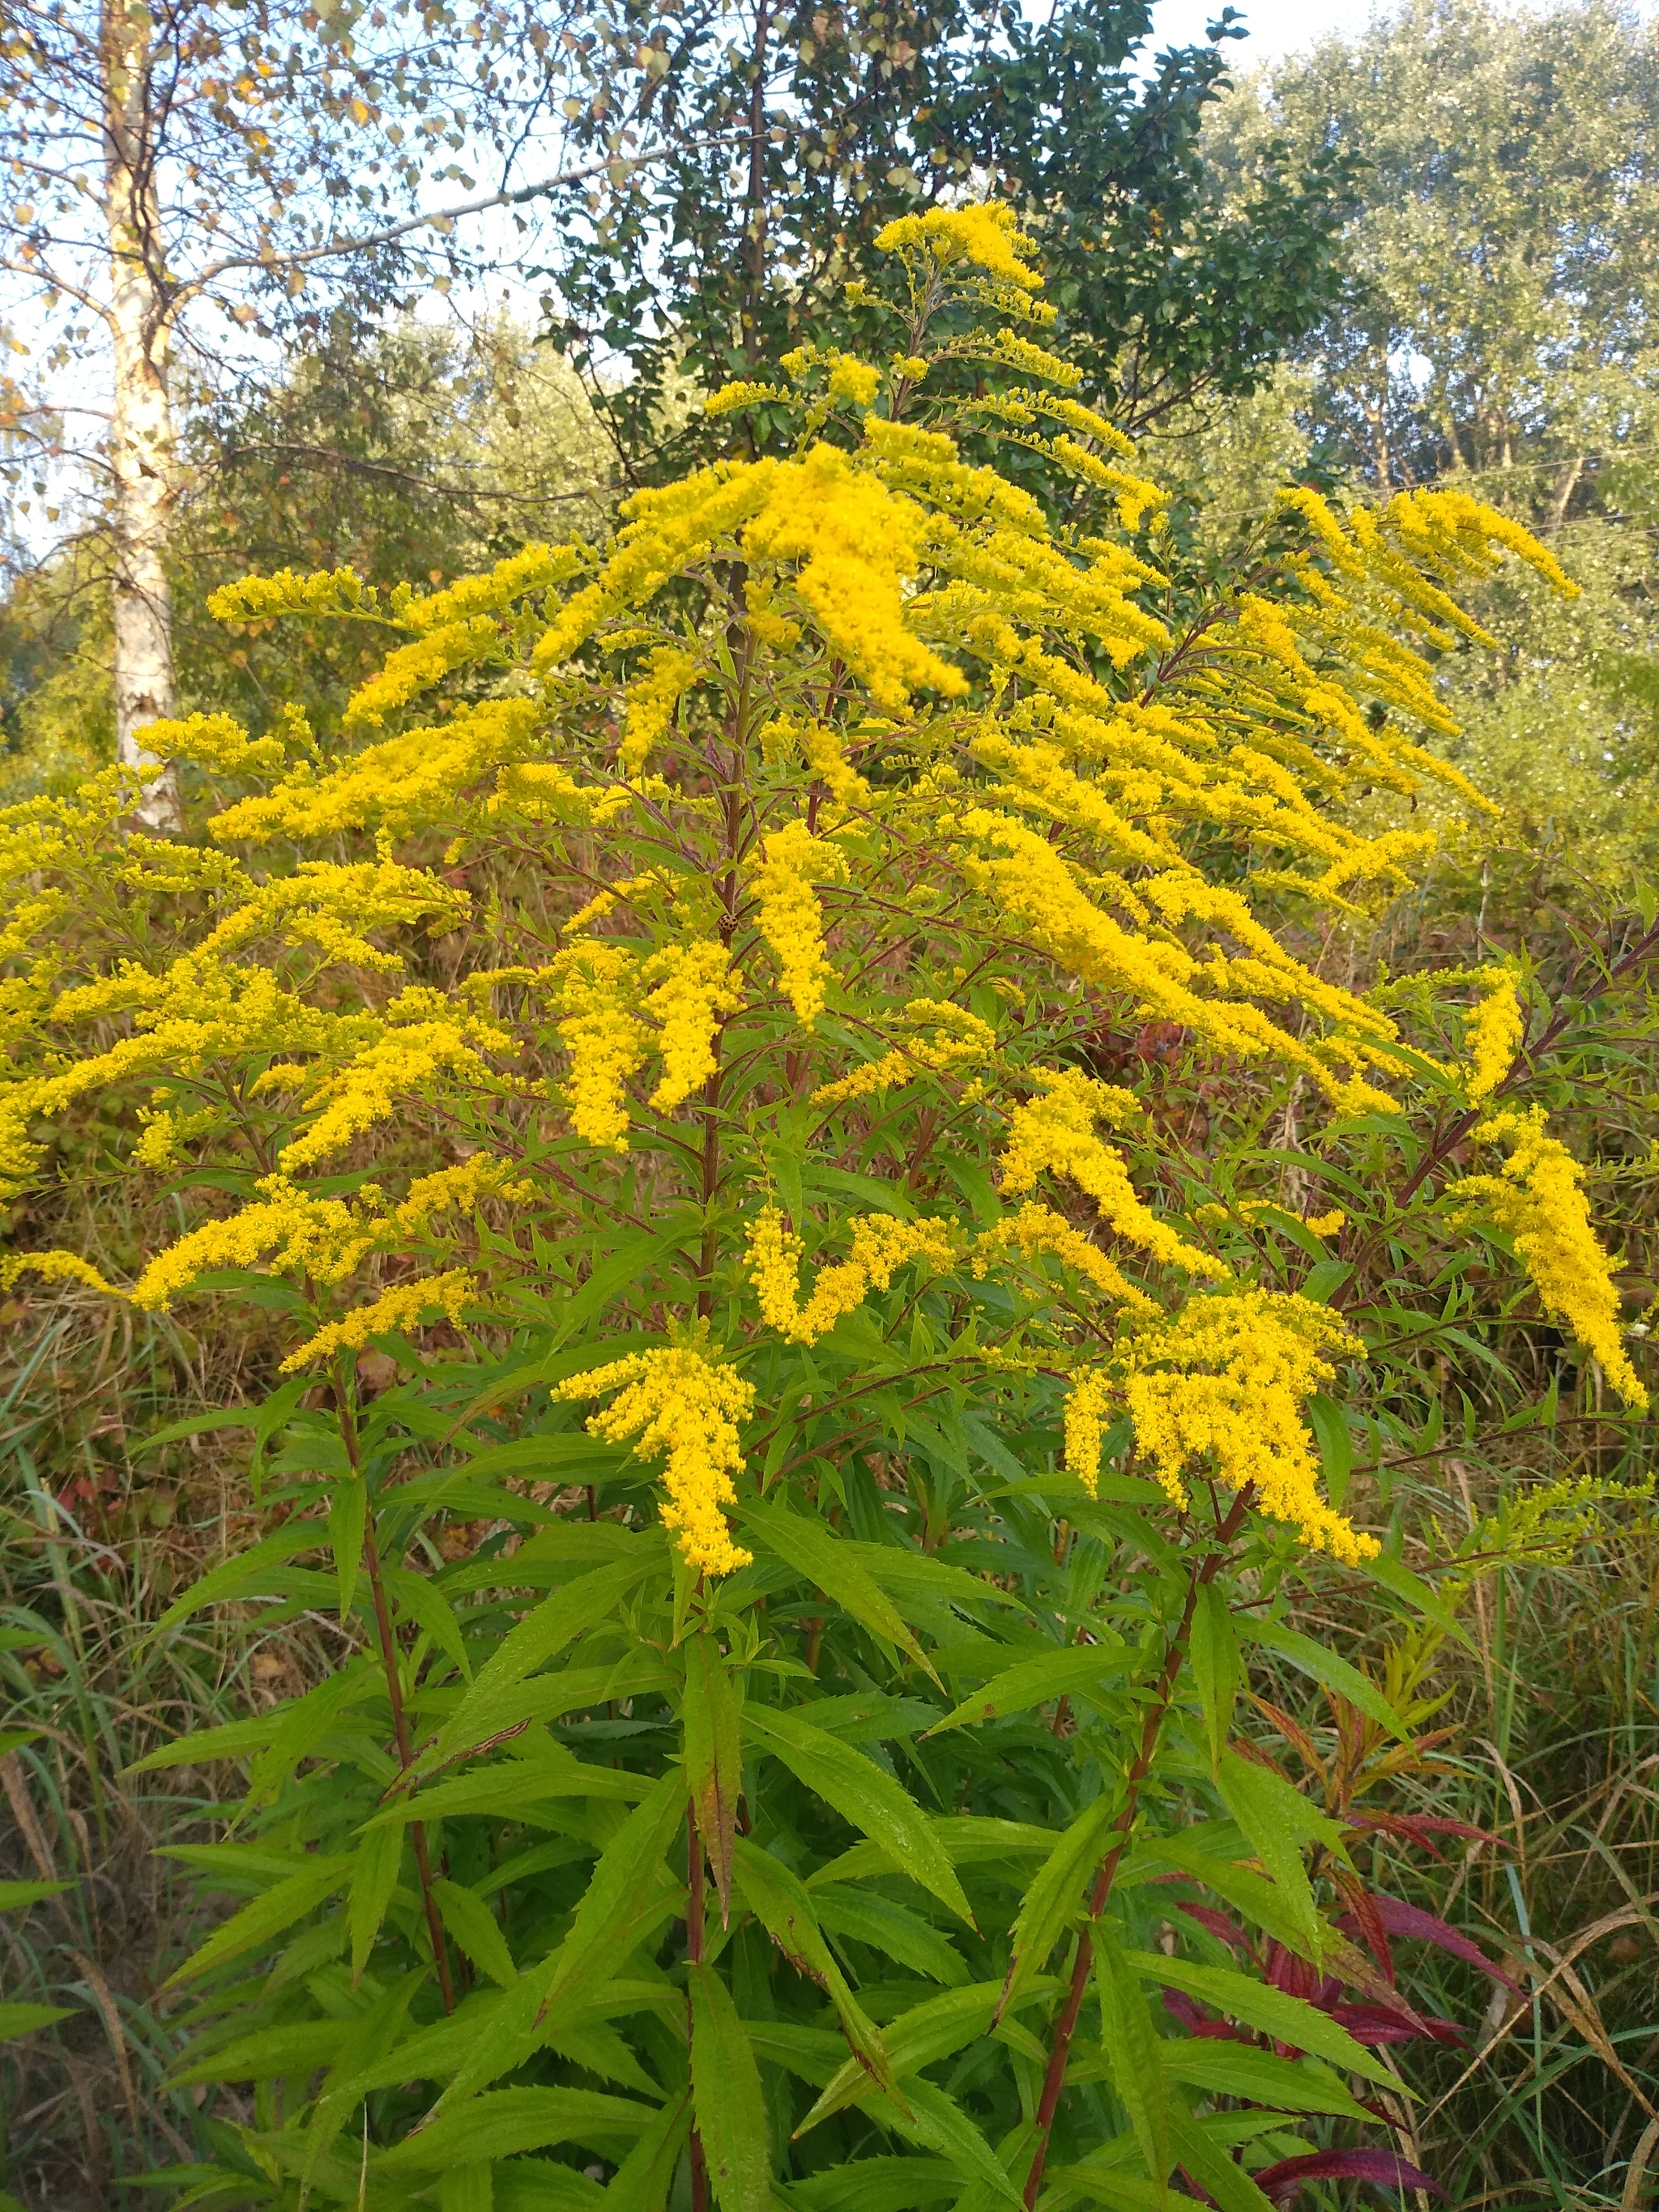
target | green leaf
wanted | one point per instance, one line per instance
(1055, 1895)
(274, 2051)
(23, 2019)
(474, 1927)
(832, 1565)
(1219, 2175)
(373, 1878)
(729, 2104)
(1212, 1651)
(713, 1756)
(1132, 2050)
(238, 1577)
(1258, 2077)
(921, 2037)
(890, 1930)
(14, 1896)
(515, 1785)
(265, 1919)
(1260, 1902)
(626, 1891)
(348, 1514)
(938, 2123)
(1311, 1657)
(1256, 1800)
(1035, 1681)
(541, 1635)
(1398, 1580)
(501, 2122)
(865, 1795)
(642, 2182)
(1275, 2013)
(782, 1904)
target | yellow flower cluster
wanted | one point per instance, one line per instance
(1492, 1034)
(322, 1239)
(55, 1267)
(696, 993)
(606, 1040)
(395, 1310)
(1054, 1133)
(680, 1404)
(959, 1040)
(881, 1244)
(791, 919)
(1538, 1201)
(985, 234)
(1216, 1391)
(651, 700)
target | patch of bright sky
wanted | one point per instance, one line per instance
(1276, 27)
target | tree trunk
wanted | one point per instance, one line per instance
(142, 455)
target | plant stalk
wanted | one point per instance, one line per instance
(1202, 1572)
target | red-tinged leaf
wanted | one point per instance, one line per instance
(1375, 2024)
(1385, 2169)
(1181, 2007)
(1409, 1920)
(1416, 1828)
(1217, 1924)
(1365, 1919)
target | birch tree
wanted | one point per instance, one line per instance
(182, 180)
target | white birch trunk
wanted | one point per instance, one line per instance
(142, 455)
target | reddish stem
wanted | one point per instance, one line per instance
(1201, 1572)
(694, 1921)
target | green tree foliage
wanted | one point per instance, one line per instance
(402, 451)
(1500, 335)
(779, 141)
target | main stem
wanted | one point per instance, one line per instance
(385, 1637)
(1200, 1572)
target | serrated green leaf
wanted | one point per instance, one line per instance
(373, 1878)
(1257, 1801)
(1276, 2013)
(348, 1517)
(728, 2103)
(832, 1565)
(862, 1794)
(1132, 2051)
(473, 1926)
(266, 1918)
(780, 1903)
(713, 1756)
(1220, 2177)
(239, 1577)
(1255, 2076)
(499, 2123)
(891, 1930)
(1035, 1681)
(1213, 1655)
(1055, 1895)
(1313, 1658)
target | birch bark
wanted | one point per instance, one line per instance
(142, 452)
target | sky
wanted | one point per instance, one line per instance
(1277, 26)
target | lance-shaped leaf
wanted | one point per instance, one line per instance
(728, 2103)
(240, 1578)
(1330, 1671)
(642, 2182)
(1212, 2167)
(348, 1514)
(1278, 1819)
(864, 1795)
(832, 1565)
(1035, 1681)
(1384, 2169)
(933, 2119)
(1213, 1655)
(266, 1918)
(373, 1878)
(1225, 2068)
(713, 1757)
(780, 1903)
(1055, 1896)
(540, 1636)
(1287, 2019)
(503, 2121)
(1132, 2046)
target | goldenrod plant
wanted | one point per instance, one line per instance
(802, 1446)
